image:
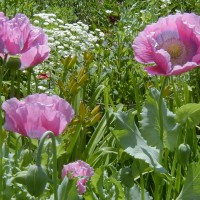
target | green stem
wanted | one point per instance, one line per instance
(106, 98)
(175, 92)
(136, 92)
(38, 159)
(178, 180)
(160, 108)
(16, 151)
(29, 81)
(12, 77)
(157, 187)
(1, 123)
(142, 186)
(171, 185)
(5, 6)
(141, 181)
(18, 83)
(36, 81)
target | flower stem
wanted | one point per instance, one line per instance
(18, 83)
(12, 77)
(38, 159)
(1, 123)
(136, 92)
(36, 82)
(171, 184)
(160, 108)
(29, 81)
(178, 180)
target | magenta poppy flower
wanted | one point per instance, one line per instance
(172, 45)
(78, 169)
(37, 114)
(19, 37)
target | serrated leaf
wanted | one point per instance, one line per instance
(97, 182)
(135, 193)
(150, 123)
(67, 190)
(132, 142)
(191, 188)
(118, 194)
(189, 113)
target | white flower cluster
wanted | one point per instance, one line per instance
(165, 3)
(64, 40)
(68, 39)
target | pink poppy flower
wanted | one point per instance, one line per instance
(19, 37)
(172, 44)
(78, 169)
(37, 114)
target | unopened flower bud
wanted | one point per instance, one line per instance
(36, 180)
(13, 62)
(183, 153)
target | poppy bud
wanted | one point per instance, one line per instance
(183, 153)
(36, 180)
(13, 62)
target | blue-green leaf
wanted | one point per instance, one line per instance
(189, 113)
(129, 137)
(67, 190)
(135, 193)
(191, 188)
(150, 123)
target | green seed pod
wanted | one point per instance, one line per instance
(36, 180)
(183, 154)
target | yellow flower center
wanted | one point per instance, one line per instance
(175, 50)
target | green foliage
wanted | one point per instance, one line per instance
(132, 142)
(135, 193)
(67, 190)
(189, 114)
(191, 187)
(150, 126)
(103, 83)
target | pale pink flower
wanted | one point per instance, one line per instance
(37, 114)
(19, 37)
(79, 169)
(172, 45)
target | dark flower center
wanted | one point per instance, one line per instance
(177, 51)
